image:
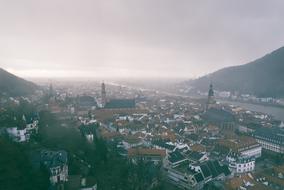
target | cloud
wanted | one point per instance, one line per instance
(148, 38)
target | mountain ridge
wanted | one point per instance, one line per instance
(13, 85)
(263, 77)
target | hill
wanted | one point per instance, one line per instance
(263, 77)
(15, 86)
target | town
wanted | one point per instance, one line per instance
(101, 135)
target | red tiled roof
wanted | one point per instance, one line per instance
(146, 152)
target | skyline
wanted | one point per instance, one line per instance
(135, 39)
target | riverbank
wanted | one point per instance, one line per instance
(276, 112)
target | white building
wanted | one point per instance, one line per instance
(239, 164)
(271, 139)
(23, 135)
(18, 135)
(252, 151)
(56, 163)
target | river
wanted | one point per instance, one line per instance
(276, 112)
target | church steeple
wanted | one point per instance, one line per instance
(103, 94)
(210, 92)
(50, 91)
(210, 100)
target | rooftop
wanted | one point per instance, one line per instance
(53, 158)
(132, 152)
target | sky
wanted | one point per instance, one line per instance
(135, 38)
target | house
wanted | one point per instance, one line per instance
(272, 177)
(245, 129)
(162, 144)
(87, 102)
(243, 146)
(190, 130)
(239, 164)
(198, 148)
(79, 182)
(57, 164)
(185, 178)
(212, 130)
(120, 104)
(270, 139)
(175, 158)
(22, 134)
(18, 135)
(194, 156)
(88, 131)
(195, 176)
(146, 154)
(246, 182)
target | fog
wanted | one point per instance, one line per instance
(126, 38)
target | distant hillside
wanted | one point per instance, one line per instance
(15, 86)
(263, 77)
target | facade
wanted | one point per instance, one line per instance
(211, 100)
(195, 176)
(104, 100)
(56, 163)
(243, 146)
(115, 103)
(185, 180)
(18, 135)
(239, 164)
(87, 102)
(88, 131)
(23, 134)
(120, 104)
(146, 154)
(253, 150)
(175, 158)
(270, 139)
(245, 129)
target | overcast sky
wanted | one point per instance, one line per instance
(135, 38)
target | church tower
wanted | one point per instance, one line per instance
(211, 100)
(50, 91)
(103, 94)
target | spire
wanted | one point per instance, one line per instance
(210, 100)
(211, 91)
(103, 94)
(24, 118)
(50, 90)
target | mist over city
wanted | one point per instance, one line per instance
(141, 95)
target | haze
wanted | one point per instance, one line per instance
(129, 38)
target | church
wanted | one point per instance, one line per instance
(215, 115)
(115, 103)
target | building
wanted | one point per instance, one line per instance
(57, 164)
(219, 117)
(18, 135)
(146, 154)
(88, 131)
(175, 158)
(120, 104)
(195, 176)
(50, 91)
(239, 164)
(243, 146)
(195, 157)
(23, 134)
(87, 102)
(210, 100)
(104, 100)
(270, 139)
(116, 103)
(247, 182)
